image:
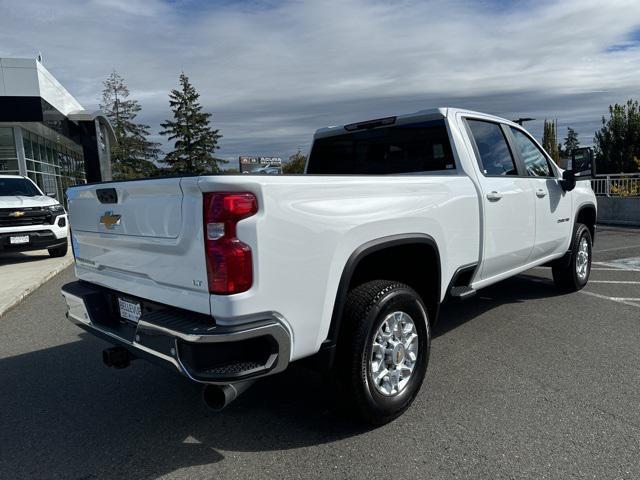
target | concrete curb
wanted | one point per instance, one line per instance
(18, 298)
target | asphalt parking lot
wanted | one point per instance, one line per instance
(523, 382)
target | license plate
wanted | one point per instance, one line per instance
(129, 310)
(18, 240)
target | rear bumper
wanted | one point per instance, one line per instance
(184, 341)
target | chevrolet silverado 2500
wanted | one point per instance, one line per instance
(226, 279)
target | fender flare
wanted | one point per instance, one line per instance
(356, 257)
(580, 209)
(566, 258)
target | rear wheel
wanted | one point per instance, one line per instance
(383, 350)
(574, 274)
(60, 251)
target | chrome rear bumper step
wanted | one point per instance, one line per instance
(190, 344)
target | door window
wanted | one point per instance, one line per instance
(492, 148)
(534, 160)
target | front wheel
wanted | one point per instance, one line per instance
(383, 350)
(573, 275)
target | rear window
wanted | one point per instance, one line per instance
(418, 147)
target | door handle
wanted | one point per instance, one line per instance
(494, 196)
(540, 193)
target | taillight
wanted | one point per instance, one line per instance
(229, 262)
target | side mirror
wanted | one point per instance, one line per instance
(52, 194)
(582, 164)
(568, 181)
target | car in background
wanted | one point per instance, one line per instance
(29, 219)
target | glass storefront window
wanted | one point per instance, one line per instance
(6, 138)
(28, 152)
(49, 152)
(9, 165)
(7, 143)
(8, 154)
(52, 165)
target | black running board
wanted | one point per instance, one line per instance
(461, 293)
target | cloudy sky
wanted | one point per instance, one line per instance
(272, 71)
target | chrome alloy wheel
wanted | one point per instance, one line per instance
(394, 352)
(582, 259)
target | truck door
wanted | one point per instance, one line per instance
(552, 203)
(508, 200)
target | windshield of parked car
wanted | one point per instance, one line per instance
(406, 148)
(17, 186)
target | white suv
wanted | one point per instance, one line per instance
(29, 220)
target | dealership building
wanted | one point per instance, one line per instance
(46, 134)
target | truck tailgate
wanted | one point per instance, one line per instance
(150, 208)
(132, 237)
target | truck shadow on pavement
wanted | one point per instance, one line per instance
(63, 414)
(518, 289)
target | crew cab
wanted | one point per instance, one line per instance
(29, 219)
(229, 278)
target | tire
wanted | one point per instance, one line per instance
(573, 275)
(60, 251)
(368, 308)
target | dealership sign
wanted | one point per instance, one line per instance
(260, 164)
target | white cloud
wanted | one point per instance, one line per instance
(273, 72)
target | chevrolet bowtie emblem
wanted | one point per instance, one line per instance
(109, 220)
(17, 214)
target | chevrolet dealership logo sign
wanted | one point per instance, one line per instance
(110, 220)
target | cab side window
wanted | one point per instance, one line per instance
(534, 160)
(495, 157)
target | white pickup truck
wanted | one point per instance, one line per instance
(29, 219)
(229, 278)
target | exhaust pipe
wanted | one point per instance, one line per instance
(217, 397)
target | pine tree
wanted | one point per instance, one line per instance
(296, 163)
(133, 155)
(194, 139)
(549, 140)
(571, 141)
(617, 144)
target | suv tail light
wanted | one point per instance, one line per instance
(229, 261)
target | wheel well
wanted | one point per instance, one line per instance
(587, 216)
(413, 260)
(416, 265)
